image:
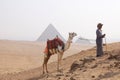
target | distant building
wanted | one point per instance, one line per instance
(82, 41)
(50, 33)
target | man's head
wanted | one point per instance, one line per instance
(99, 26)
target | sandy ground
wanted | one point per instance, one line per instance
(18, 56)
(77, 65)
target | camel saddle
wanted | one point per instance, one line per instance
(52, 45)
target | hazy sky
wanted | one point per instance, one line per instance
(27, 19)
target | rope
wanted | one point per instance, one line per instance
(106, 44)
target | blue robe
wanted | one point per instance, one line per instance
(99, 42)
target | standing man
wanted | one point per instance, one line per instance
(99, 41)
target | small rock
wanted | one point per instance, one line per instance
(94, 66)
(84, 70)
(60, 74)
(59, 78)
(67, 75)
(93, 76)
(72, 78)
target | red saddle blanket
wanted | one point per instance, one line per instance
(53, 44)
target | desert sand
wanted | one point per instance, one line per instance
(76, 64)
(18, 56)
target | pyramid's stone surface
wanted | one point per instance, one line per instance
(50, 33)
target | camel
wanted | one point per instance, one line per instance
(60, 52)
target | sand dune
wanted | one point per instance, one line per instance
(81, 66)
(76, 64)
(18, 56)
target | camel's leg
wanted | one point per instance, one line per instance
(46, 64)
(46, 61)
(58, 62)
(43, 68)
(46, 58)
(46, 68)
(59, 59)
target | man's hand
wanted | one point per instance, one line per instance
(104, 35)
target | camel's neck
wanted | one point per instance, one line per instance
(67, 45)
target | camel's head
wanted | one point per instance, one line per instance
(71, 35)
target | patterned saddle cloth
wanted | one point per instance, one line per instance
(53, 46)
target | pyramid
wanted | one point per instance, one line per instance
(50, 33)
(82, 41)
